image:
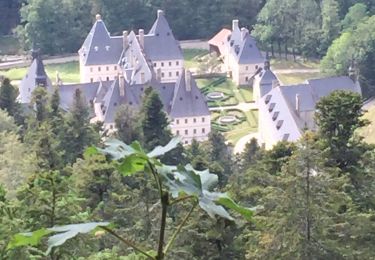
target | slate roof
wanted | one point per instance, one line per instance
(99, 47)
(243, 47)
(35, 76)
(282, 99)
(188, 102)
(160, 43)
(266, 79)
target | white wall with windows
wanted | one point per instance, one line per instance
(189, 128)
(170, 69)
(99, 72)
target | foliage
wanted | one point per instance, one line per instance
(127, 124)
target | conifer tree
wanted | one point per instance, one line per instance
(154, 122)
(80, 133)
(8, 97)
(127, 124)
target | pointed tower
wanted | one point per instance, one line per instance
(161, 47)
(99, 54)
(36, 76)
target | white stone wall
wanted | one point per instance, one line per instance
(95, 73)
(170, 69)
(189, 128)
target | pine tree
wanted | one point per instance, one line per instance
(127, 124)
(80, 133)
(8, 97)
(154, 122)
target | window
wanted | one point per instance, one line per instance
(271, 107)
(186, 121)
(177, 63)
(268, 98)
(170, 74)
(99, 68)
(247, 67)
(107, 78)
(154, 64)
(203, 130)
(91, 69)
(247, 79)
(195, 131)
(115, 67)
(177, 73)
(162, 64)
(178, 132)
(162, 74)
(177, 121)
(111, 126)
(203, 119)
(91, 80)
(170, 64)
(194, 120)
(142, 77)
(186, 132)
(186, 142)
(107, 68)
(275, 115)
(279, 124)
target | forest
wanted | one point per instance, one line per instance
(71, 190)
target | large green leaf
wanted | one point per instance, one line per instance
(118, 150)
(63, 234)
(28, 239)
(69, 231)
(161, 150)
(132, 164)
(186, 180)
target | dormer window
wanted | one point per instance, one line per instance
(275, 115)
(107, 48)
(250, 45)
(271, 107)
(231, 43)
(228, 38)
(157, 34)
(180, 98)
(279, 124)
(285, 137)
(268, 98)
(96, 48)
(237, 49)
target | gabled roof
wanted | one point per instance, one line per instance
(220, 39)
(99, 47)
(35, 76)
(243, 48)
(188, 101)
(323, 87)
(159, 43)
(133, 61)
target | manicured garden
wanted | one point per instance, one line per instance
(192, 56)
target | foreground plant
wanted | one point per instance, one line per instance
(175, 184)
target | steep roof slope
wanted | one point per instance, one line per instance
(188, 101)
(160, 43)
(99, 47)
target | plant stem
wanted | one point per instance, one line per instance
(164, 204)
(178, 230)
(127, 242)
(180, 199)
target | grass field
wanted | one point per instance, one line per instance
(282, 64)
(243, 129)
(295, 78)
(191, 57)
(368, 132)
(69, 72)
(8, 45)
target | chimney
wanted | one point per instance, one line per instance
(267, 64)
(125, 40)
(141, 38)
(244, 33)
(188, 80)
(98, 17)
(234, 25)
(160, 13)
(121, 85)
(297, 103)
(158, 74)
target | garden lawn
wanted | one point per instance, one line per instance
(282, 64)
(368, 132)
(296, 78)
(69, 72)
(191, 57)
